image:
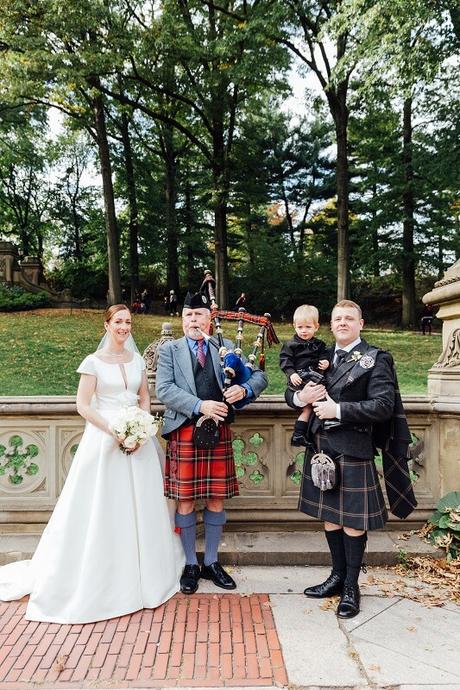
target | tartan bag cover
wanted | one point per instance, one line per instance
(192, 473)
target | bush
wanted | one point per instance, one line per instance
(444, 525)
(15, 298)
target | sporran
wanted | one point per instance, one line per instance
(324, 471)
(206, 433)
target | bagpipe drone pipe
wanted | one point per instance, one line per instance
(235, 370)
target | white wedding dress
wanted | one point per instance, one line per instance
(109, 548)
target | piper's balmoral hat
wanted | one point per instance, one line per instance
(196, 301)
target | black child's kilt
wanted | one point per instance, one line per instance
(356, 502)
(192, 473)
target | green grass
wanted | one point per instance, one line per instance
(40, 350)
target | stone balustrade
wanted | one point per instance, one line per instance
(39, 436)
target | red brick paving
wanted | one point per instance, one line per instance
(208, 640)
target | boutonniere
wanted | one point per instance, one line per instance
(355, 356)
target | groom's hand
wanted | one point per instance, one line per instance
(213, 408)
(326, 409)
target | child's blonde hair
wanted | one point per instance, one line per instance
(305, 312)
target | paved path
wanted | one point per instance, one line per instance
(273, 638)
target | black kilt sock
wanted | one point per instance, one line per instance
(336, 547)
(354, 553)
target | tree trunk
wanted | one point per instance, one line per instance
(189, 231)
(340, 113)
(171, 219)
(113, 251)
(375, 239)
(133, 226)
(408, 256)
(220, 184)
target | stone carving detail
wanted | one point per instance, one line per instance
(450, 356)
(152, 351)
(70, 441)
(295, 467)
(251, 468)
(452, 275)
(2, 268)
(21, 463)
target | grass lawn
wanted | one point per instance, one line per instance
(40, 350)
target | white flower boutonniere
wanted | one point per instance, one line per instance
(355, 356)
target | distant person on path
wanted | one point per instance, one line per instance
(109, 548)
(173, 303)
(427, 319)
(145, 298)
(240, 302)
(189, 384)
(166, 303)
(299, 357)
(362, 410)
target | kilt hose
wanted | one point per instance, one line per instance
(193, 473)
(356, 502)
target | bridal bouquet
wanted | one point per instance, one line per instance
(133, 427)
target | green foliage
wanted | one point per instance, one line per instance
(15, 298)
(445, 525)
(16, 460)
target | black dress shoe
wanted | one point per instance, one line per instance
(217, 574)
(298, 439)
(349, 602)
(333, 585)
(189, 579)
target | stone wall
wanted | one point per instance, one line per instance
(39, 436)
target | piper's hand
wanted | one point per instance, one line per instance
(311, 393)
(213, 408)
(326, 409)
(295, 379)
(323, 364)
(234, 393)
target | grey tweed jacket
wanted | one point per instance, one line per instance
(175, 383)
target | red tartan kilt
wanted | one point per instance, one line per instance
(192, 473)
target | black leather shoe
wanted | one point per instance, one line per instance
(298, 439)
(217, 574)
(189, 579)
(349, 602)
(333, 585)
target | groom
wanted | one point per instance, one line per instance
(189, 384)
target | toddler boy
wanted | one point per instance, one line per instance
(299, 357)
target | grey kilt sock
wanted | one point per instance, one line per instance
(213, 526)
(187, 526)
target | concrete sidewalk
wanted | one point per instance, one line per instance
(266, 635)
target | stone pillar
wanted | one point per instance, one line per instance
(444, 376)
(444, 379)
(8, 262)
(32, 269)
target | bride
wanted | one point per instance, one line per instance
(109, 547)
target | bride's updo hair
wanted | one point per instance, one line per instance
(111, 311)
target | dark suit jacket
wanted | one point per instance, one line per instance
(371, 412)
(366, 396)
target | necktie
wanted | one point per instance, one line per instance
(340, 357)
(201, 357)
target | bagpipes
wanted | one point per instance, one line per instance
(235, 370)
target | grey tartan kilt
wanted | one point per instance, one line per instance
(356, 502)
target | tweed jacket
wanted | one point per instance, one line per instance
(175, 383)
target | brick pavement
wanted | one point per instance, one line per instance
(205, 640)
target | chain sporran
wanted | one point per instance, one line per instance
(206, 433)
(324, 471)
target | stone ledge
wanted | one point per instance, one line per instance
(265, 548)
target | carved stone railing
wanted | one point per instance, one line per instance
(39, 436)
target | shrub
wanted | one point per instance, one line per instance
(444, 525)
(15, 298)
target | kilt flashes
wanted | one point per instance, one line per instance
(192, 473)
(356, 502)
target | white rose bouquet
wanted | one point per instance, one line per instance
(133, 427)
